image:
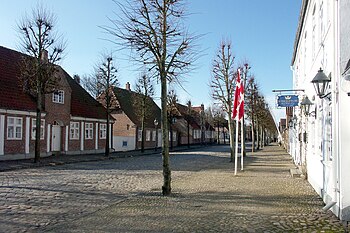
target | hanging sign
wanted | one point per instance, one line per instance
(287, 101)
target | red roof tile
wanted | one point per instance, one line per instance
(12, 95)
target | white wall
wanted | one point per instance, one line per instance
(317, 49)
(118, 143)
(344, 112)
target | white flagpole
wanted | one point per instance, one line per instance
(236, 148)
(242, 140)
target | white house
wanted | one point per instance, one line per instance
(319, 136)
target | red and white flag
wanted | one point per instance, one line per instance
(238, 104)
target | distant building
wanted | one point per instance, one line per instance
(72, 121)
(127, 127)
(191, 123)
(282, 124)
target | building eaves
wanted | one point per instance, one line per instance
(300, 28)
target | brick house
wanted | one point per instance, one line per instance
(72, 121)
(127, 127)
(200, 131)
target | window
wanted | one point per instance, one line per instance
(139, 135)
(196, 134)
(58, 97)
(74, 130)
(174, 136)
(42, 128)
(127, 127)
(14, 128)
(148, 135)
(89, 130)
(154, 135)
(125, 144)
(103, 131)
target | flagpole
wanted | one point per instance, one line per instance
(236, 148)
(242, 142)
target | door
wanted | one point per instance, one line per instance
(56, 138)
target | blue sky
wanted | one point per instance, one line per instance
(261, 32)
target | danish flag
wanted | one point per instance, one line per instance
(238, 104)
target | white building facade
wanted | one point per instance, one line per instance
(320, 141)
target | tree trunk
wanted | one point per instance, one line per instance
(218, 133)
(253, 137)
(188, 134)
(38, 128)
(223, 132)
(243, 137)
(263, 137)
(166, 189)
(171, 134)
(257, 136)
(142, 133)
(232, 143)
(107, 133)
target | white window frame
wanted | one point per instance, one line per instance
(74, 130)
(58, 97)
(154, 135)
(148, 135)
(139, 135)
(103, 131)
(42, 129)
(16, 125)
(89, 130)
(174, 136)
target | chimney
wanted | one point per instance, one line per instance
(44, 56)
(127, 86)
(76, 78)
(202, 107)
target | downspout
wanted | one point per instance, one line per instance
(336, 112)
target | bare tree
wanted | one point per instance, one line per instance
(38, 70)
(90, 84)
(222, 85)
(250, 105)
(145, 89)
(154, 30)
(106, 76)
(218, 120)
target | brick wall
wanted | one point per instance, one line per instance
(123, 126)
(58, 112)
(15, 146)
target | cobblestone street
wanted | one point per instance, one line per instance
(123, 195)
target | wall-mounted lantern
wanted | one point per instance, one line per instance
(321, 83)
(306, 105)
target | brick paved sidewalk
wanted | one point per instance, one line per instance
(263, 198)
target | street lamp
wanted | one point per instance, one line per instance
(321, 82)
(290, 123)
(293, 121)
(305, 105)
(156, 142)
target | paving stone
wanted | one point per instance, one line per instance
(123, 195)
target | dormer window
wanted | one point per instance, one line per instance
(58, 97)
